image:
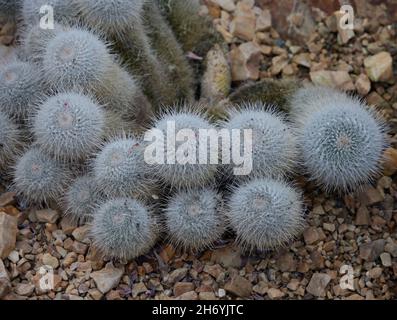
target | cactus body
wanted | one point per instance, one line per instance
(265, 214)
(193, 219)
(123, 228)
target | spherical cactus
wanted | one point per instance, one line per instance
(193, 219)
(81, 199)
(273, 143)
(20, 89)
(111, 16)
(181, 168)
(64, 10)
(69, 126)
(38, 178)
(10, 141)
(75, 58)
(35, 39)
(120, 170)
(265, 214)
(123, 228)
(341, 139)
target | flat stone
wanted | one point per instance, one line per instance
(286, 262)
(191, 295)
(371, 251)
(177, 275)
(385, 257)
(390, 162)
(363, 84)
(7, 198)
(375, 273)
(333, 79)
(49, 260)
(227, 5)
(24, 289)
(370, 196)
(245, 61)
(264, 21)
(243, 24)
(303, 59)
(227, 257)
(81, 233)
(392, 249)
(311, 235)
(239, 286)
(274, 293)
(107, 278)
(8, 234)
(47, 216)
(318, 283)
(138, 289)
(182, 287)
(68, 225)
(207, 296)
(379, 67)
(362, 216)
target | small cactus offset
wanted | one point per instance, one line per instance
(266, 91)
(123, 228)
(341, 139)
(39, 179)
(274, 149)
(10, 141)
(81, 199)
(174, 173)
(120, 170)
(169, 52)
(20, 90)
(193, 219)
(69, 126)
(121, 22)
(265, 214)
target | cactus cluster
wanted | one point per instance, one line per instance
(76, 107)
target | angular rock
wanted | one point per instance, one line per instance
(245, 61)
(239, 286)
(227, 257)
(379, 67)
(207, 296)
(386, 259)
(5, 284)
(318, 283)
(47, 215)
(274, 293)
(7, 198)
(363, 84)
(362, 216)
(264, 21)
(191, 295)
(370, 196)
(302, 59)
(371, 251)
(244, 23)
(390, 163)
(8, 234)
(49, 260)
(333, 79)
(138, 288)
(311, 235)
(182, 287)
(177, 275)
(227, 5)
(24, 289)
(286, 262)
(107, 278)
